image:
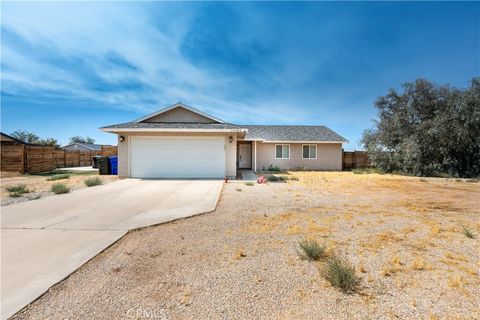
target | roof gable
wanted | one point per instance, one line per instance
(179, 113)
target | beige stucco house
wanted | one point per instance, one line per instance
(182, 142)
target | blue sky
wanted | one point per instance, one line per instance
(69, 68)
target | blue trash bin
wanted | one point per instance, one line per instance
(113, 165)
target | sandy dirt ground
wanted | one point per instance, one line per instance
(39, 186)
(402, 234)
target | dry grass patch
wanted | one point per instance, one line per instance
(403, 237)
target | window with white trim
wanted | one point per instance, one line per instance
(282, 151)
(309, 151)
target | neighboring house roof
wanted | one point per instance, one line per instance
(91, 146)
(6, 137)
(287, 133)
(171, 125)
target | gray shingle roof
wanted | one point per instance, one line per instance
(291, 133)
(93, 146)
(263, 132)
(172, 125)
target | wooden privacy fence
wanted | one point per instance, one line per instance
(33, 159)
(355, 159)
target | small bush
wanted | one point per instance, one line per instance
(467, 232)
(59, 188)
(292, 178)
(273, 178)
(93, 181)
(250, 184)
(311, 250)
(20, 188)
(17, 190)
(339, 272)
(273, 168)
(59, 177)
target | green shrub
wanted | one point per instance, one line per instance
(311, 250)
(273, 178)
(273, 168)
(250, 184)
(59, 177)
(21, 188)
(285, 177)
(17, 190)
(467, 232)
(93, 181)
(340, 273)
(59, 188)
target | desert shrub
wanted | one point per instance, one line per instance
(467, 232)
(341, 274)
(17, 190)
(250, 184)
(286, 177)
(311, 250)
(59, 188)
(273, 178)
(59, 177)
(273, 168)
(93, 181)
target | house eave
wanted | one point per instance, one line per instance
(304, 141)
(117, 130)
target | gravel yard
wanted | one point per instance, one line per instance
(39, 186)
(403, 235)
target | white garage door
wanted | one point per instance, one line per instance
(178, 157)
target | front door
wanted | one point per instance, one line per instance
(245, 156)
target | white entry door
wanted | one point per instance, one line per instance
(245, 156)
(177, 157)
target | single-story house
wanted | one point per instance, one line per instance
(83, 146)
(182, 142)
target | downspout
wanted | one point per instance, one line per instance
(255, 158)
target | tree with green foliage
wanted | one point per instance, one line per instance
(81, 139)
(427, 130)
(25, 136)
(32, 138)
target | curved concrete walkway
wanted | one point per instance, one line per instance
(43, 241)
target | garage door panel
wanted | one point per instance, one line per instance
(178, 157)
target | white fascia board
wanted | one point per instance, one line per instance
(305, 142)
(115, 130)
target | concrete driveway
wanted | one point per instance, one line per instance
(45, 240)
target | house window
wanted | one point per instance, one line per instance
(282, 151)
(309, 151)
